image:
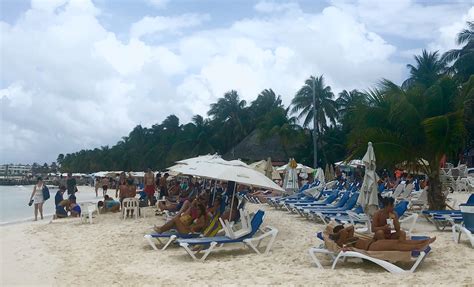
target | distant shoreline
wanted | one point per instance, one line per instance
(14, 182)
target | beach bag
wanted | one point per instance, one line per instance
(46, 194)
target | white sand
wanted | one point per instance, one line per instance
(113, 252)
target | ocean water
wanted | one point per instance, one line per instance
(14, 203)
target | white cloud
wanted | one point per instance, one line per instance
(405, 18)
(151, 25)
(69, 83)
(448, 33)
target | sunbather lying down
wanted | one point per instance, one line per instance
(345, 237)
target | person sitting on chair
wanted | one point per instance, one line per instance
(385, 224)
(190, 221)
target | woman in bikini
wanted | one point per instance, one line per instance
(192, 220)
(344, 237)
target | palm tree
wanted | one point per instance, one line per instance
(401, 129)
(229, 116)
(314, 101)
(427, 70)
(348, 102)
(463, 58)
(201, 136)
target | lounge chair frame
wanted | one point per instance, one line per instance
(253, 243)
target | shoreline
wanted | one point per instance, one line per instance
(86, 190)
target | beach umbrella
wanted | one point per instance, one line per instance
(269, 168)
(220, 169)
(368, 197)
(320, 176)
(290, 182)
(299, 168)
(259, 166)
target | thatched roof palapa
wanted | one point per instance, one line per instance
(253, 148)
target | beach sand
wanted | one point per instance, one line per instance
(112, 251)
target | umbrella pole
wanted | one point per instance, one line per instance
(214, 192)
(232, 201)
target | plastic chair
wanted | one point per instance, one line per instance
(87, 209)
(130, 204)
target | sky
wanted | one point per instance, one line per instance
(80, 74)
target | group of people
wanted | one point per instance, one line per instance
(197, 207)
(65, 207)
(37, 197)
(387, 233)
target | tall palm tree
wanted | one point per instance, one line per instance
(427, 70)
(463, 58)
(229, 115)
(348, 101)
(314, 102)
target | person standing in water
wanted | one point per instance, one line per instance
(37, 197)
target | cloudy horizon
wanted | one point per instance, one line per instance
(80, 74)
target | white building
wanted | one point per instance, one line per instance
(15, 169)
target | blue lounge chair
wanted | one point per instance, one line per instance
(348, 205)
(326, 202)
(444, 218)
(169, 236)
(248, 239)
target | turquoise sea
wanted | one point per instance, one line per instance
(14, 203)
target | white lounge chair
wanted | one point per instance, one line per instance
(406, 191)
(384, 259)
(252, 240)
(398, 190)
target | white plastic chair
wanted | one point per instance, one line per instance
(130, 204)
(87, 210)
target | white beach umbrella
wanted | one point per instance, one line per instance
(320, 176)
(290, 182)
(299, 168)
(368, 198)
(228, 171)
(259, 166)
(352, 163)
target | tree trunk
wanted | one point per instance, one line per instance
(436, 198)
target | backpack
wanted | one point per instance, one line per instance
(46, 194)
